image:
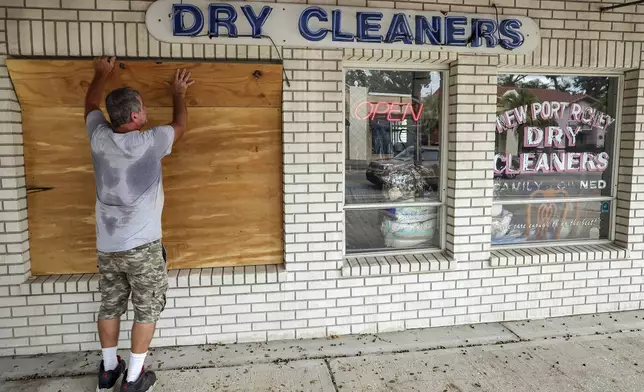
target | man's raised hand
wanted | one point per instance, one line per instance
(104, 65)
(181, 82)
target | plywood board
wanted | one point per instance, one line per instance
(62, 227)
(223, 187)
(65, 82)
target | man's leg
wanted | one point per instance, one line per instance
(142, 333)
(108, 332)
(115, 291)
(142, 337)
(149, 281)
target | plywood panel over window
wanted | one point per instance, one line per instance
(223, 181)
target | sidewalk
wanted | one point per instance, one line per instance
(582, 353)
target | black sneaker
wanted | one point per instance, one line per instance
(145, 383)
(108, 378)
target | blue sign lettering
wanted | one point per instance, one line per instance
(318, 23)
(303, 23)
(228, 19)
(256, 22)
(178, 28)
(509, 28)
(399, 30)
(425, 30)
(483, 29)
(336, 23)
(455, 30)
(365, 26)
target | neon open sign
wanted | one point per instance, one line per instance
(394, 111)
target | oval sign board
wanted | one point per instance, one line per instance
(323, 26)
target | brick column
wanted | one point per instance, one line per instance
(472, 112)
(629, 225)
(14, 254)
(313, 126)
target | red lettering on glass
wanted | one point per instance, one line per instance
(394, 111)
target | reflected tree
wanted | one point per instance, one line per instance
(511, 80)
(534, 83)
(595, 87)
(560, 83)
(430, 118)
(392, 82)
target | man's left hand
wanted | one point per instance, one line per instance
(103, 66)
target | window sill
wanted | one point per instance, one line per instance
(557, 254)
(196, 277)
(399, 264)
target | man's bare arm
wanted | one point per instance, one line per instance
(103, 66)
(179, 110)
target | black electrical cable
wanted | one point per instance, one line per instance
(612, 7)
(501, 42)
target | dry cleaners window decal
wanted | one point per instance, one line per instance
(304, 25)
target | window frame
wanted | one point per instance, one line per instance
(443, 161)
(612, 199)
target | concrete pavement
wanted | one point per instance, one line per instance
(582, 353)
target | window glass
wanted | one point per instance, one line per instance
(558, 221)
(392, 143)
(392, 123)
(392, 228)
(555, 140)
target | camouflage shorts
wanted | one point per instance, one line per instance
(142, 271)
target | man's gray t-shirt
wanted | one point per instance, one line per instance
(129, 189)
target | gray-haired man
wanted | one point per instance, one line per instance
(129, 203)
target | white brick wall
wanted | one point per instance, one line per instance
(310, 296)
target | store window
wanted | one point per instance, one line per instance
(555, 157)
(393, 196)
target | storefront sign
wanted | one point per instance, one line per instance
(552, 137)
(302, 25)
(523, 186)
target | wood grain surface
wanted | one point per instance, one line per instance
(223, 188)
(62, 228)
(222, 182)
(65, 82)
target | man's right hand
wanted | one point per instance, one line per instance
(181, 82)
(104, 65)
(179, 86)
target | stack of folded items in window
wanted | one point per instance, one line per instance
(407, 227)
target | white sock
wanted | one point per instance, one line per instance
(136, 366)
(110, 362)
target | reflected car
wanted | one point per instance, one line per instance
(430, 157)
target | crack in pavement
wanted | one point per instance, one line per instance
(328, 367)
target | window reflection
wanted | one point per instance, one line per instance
(555, 141)
(392, 228)
(548, 221)
(392, 121)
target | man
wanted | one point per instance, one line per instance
(129, 202)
